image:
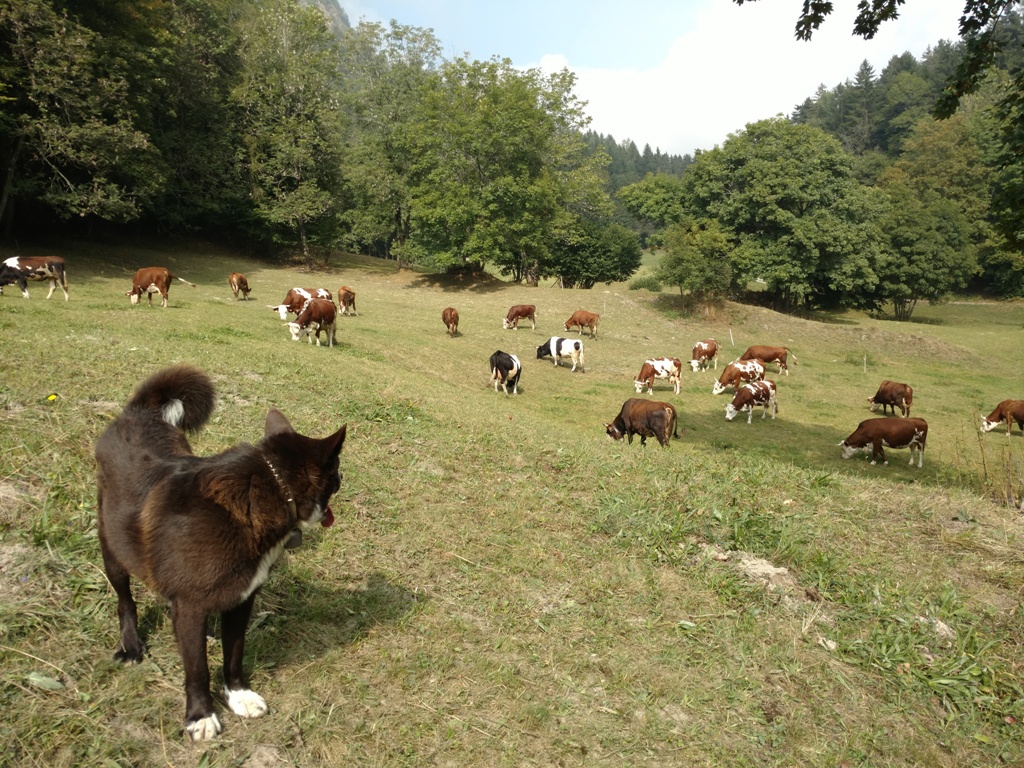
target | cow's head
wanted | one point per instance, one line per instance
(873, 406)
(134, 295)
(988, 426)
(297, 330)
(695, 365)
(718, 389)
(505, 324)
(849, 450)
(281, 309)
(639, 385)
(612, 431)
(730, 412)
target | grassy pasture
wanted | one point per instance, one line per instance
(505, 585)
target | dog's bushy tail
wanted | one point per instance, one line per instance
(182, 396)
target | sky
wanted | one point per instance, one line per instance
(679, 75)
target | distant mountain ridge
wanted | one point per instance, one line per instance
(337, 19)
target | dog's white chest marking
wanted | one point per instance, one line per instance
(263, 569)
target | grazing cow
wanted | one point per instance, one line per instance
(238, 285)
(658, 368)
(583, 320)
(21, 269)
(894, 395)
(1008, 411)
(769, 355)
(873, 434)
(556, 347)
(505, 370)
(318, 315)
(520, 312)
(647, 418)
(295, 300)
(704, 352)
(751, 394)
(150, 280)
(450, 318)
(737, 372)
(347, 300)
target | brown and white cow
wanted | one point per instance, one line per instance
(318, 315)
(751, 394)
(737, 372)
(505, 370)
(704, 352)
(658, 368)
(583, 319)
(894, 395)
(21, 269)
(769, 355)
(647, 418)
(520, 312)
(295, 300)
(1008, 411)
(347, 300)
(239, 285)
(876, 434)
(450, 318)
(150, 280)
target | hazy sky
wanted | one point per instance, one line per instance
(676, 74)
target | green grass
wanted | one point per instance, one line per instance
(505, 585)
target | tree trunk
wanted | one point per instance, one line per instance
(9, 178)
(301, 226)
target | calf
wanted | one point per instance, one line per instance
(318, 315)
(658, 368)
(347, 300)
(769, 355)
(1008, 411)
(751, 394)
(894, 395)
(150, 280)
(505, 370)
(556, 347)
(450, 318)
(520, 312)
(21, 269)
(295, 300)
(898, 432)
(647, 418)
(737, 372)
(238, 285)
(704, 352)
(583, 320)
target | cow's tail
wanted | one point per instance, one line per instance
(675, 423)
(792, 356)
(182, 396)
(186, 282)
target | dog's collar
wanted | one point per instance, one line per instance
(284, 487)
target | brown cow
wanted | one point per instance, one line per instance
(658, 368)
(318, 315)
(520, 312)
(751, 394)
(347, 300)
(150, 280)
(450, 318)
(647, 418)
(704, 352)
(769, 355)
(898, 432)
(894, 395)
(297, 298)
(1008, 411)
(238, 285)
(737, 372)
(583, 319)
(20, 269)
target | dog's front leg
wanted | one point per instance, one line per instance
(201, 722)
(242, 700)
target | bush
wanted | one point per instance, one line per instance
(645, 282)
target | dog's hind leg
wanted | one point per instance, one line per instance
(201, 722)
(132, 647)
(242, 700)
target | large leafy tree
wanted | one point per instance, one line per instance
(697, 260)
(657, 199)
(594, 252)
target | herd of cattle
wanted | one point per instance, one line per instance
(316, 312)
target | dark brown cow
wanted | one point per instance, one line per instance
(21, 269)
(750, 394)
(583, 319)
(894, 395)
(150, 280)
(737, 372)
(658, 368)
(769, 355)
(318, 315)
(1008, 411)
(238, 285)
(704, 352)
(295, 300)
(347, 300)
(898, 432)
(450, 318)
(647, 418)
(520, 312)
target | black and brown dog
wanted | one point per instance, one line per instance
(203, 532)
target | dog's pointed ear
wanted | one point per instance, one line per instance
(332, 445)
(276, 423)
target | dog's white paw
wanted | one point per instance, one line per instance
(246, 703)
(205, 729)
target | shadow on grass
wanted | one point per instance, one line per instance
(457, 282)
